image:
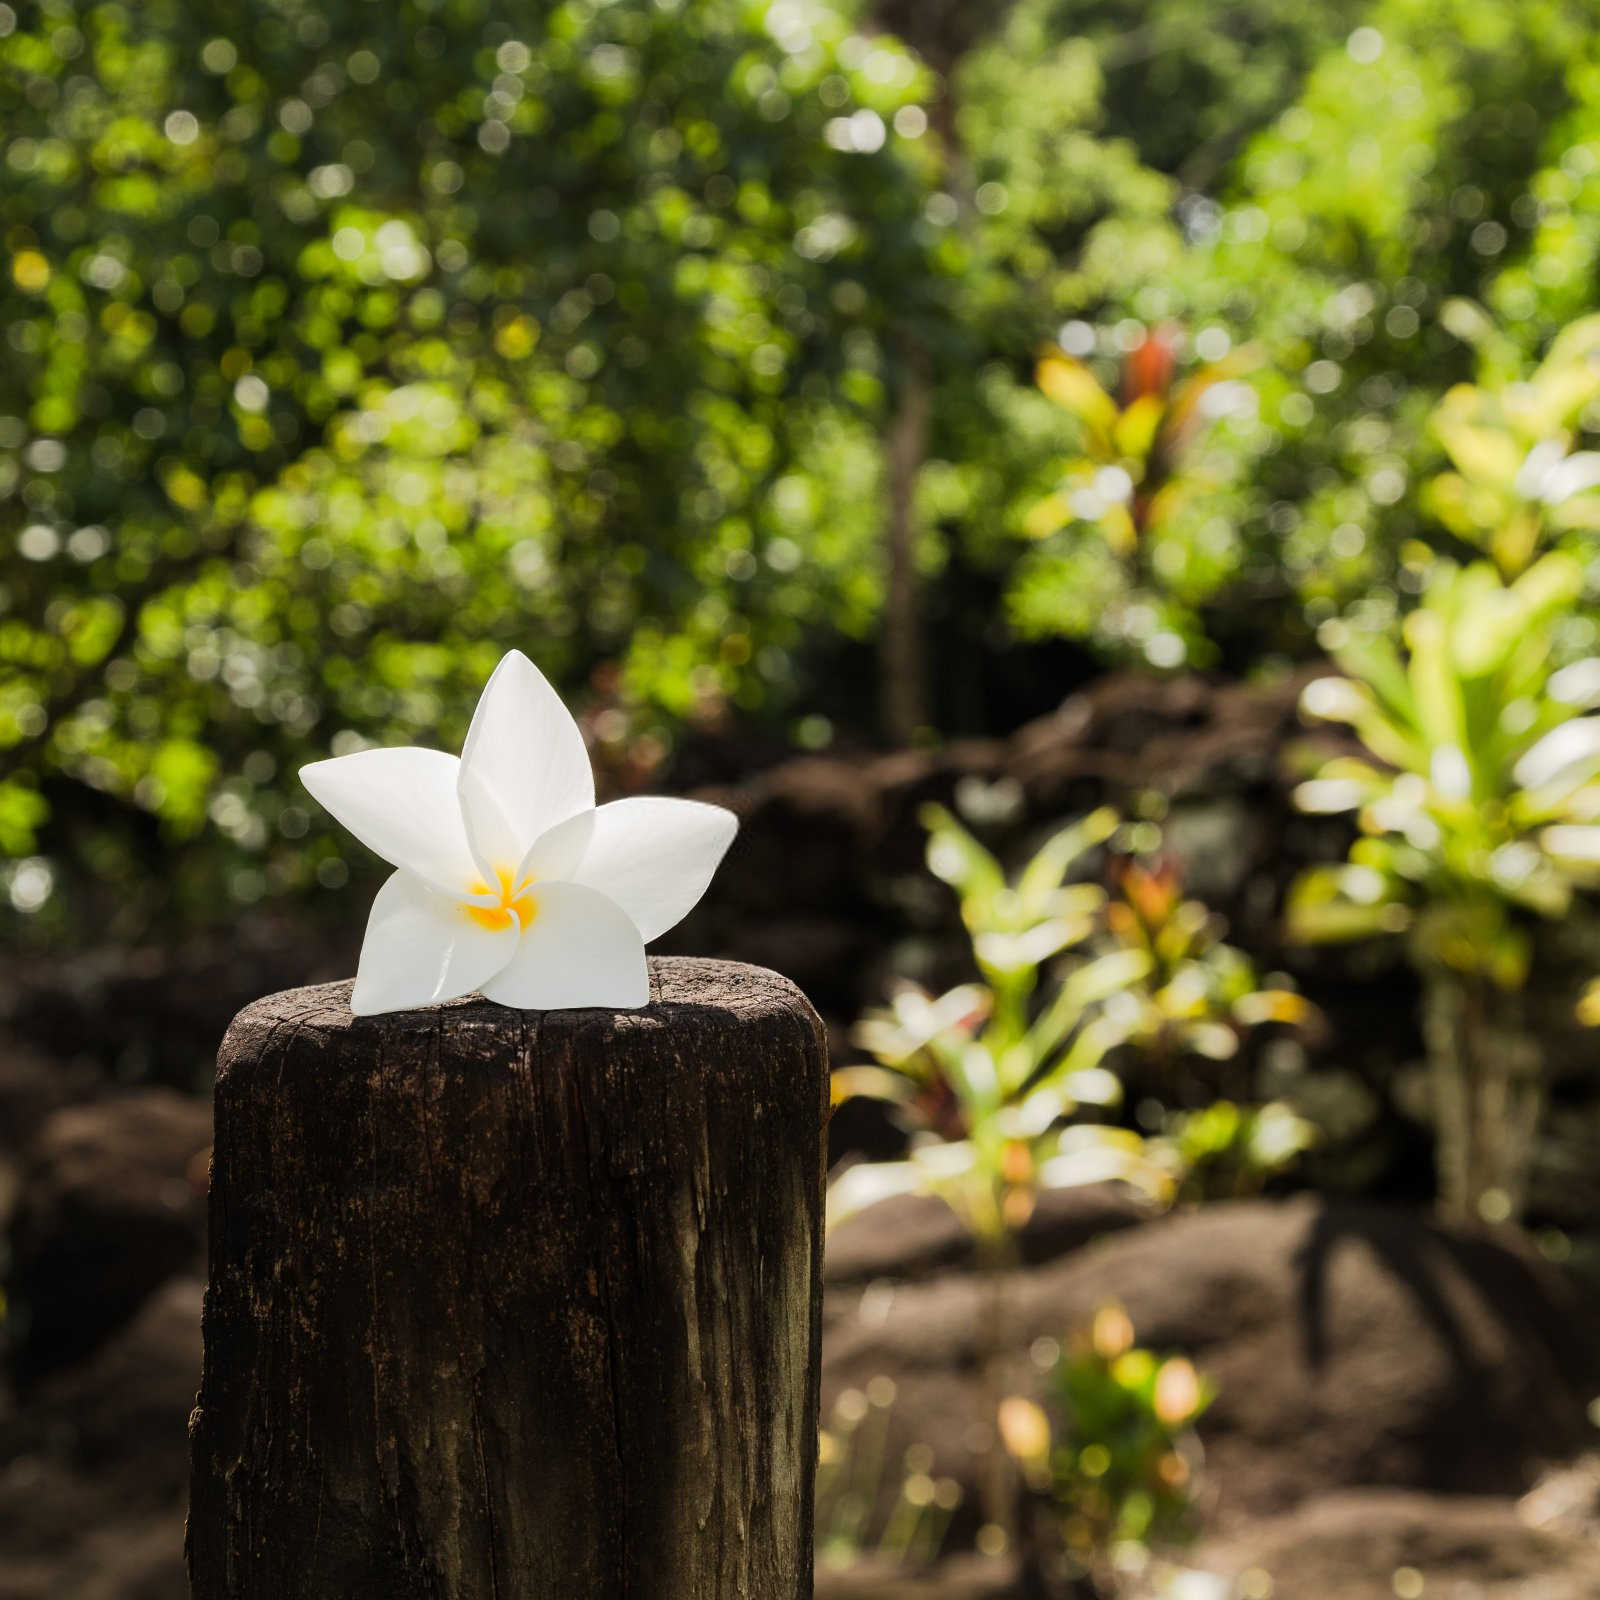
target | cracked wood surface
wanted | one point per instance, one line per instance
(514, 1305)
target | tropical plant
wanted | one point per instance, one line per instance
(1517, 485)
(1228, 1151)
(987, 1076)
(1119, 1457)
(1198, 995)
(1479, 810)
(1135, 483)
(1128, 476)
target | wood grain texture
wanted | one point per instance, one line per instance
(514, 1305)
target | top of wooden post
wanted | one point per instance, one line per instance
(680, 987)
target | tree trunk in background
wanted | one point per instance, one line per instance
(903, 669)
(941, 31)
(509, 1305)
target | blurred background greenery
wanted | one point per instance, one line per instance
(796, 371)
(834, 377)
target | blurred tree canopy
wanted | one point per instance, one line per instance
(683, 343)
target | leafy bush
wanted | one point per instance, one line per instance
(1517, 485)
(350, 345)
(1480, 820)
(1133, 537)
(990, 1077)
(1198, 995)
(1119, 1457)
(986, 1079)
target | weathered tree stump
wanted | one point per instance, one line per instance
(514, 1305)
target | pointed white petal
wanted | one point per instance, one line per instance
(423, 946)
(655, 856)
(558, 852)
(578, 949)
(402, 804)
(524, 767)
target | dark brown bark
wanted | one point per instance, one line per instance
(513, 1304)
(903, 690)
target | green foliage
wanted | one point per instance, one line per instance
(985, 1078)
(1198, 995)
(1198, 998)
(1480, 816)
(854, 1468)
(1479, 810)
(350, 346)
(1120, 1462)
(1518, 485)
(989, 1076)
(1230, 1152)
(1403, 158)
(1141, 497)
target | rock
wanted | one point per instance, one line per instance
(154, 1012)
(1350, 1547)
(126, 1409)
(119, 1560)
(112, 1204)
(1350, 1346)
(1566, 1498)
(94, 1464)
(32, 1086)
(911, 1237)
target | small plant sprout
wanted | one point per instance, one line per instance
(985, 1076)
(510, 880)
(1115, 1450)
(1479, 810)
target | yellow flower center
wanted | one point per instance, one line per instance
(515, 900)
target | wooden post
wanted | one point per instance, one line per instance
(514, 1305)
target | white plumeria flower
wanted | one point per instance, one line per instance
(511, 882)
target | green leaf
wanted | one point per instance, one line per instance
(1076, 389)
(1441, 716)
(23, 811)
(956, 857)
(1042, 876)
(1105, 976)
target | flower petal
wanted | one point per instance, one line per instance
(524, 767)
(558, 852)
(423, 946)
(402, 804)
(654, 856)
(578, 949)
